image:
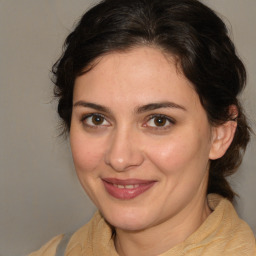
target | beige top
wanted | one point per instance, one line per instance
(222, 233)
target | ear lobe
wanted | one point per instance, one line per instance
(222, 135)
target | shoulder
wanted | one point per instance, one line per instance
(222, 233)
(231, 233)
(84, 238)
(49, 249)
(95, 238)
(78, 240)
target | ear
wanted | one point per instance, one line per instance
(222, 135)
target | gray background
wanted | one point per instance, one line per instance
(40, 196)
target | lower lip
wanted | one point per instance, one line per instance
(125, 193)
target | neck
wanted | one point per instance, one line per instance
(169, 233)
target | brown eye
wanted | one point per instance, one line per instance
(160, 121)
(97, 120)
(93, 120)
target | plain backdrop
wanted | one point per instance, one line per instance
(40, 196)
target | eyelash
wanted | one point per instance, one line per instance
(166, 118)
(151, 117)
(87, 116)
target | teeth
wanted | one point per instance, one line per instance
(126, 186)
(129, 186)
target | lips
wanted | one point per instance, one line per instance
(126, 189)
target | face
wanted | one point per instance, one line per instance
(140, 139)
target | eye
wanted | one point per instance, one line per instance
(159, 121)
(94, 120)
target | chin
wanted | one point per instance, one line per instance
(128, 225)
(127, 219)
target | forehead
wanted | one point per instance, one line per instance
(138, 76)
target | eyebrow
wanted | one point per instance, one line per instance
(92, 105)
(157, 105)
(138, 110)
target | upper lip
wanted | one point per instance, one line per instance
(127, 181)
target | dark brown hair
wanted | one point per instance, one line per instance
(186, 29)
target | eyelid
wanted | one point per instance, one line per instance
(152, 116)
(145, 123)
(86, 116)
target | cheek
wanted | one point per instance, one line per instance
(87, 153)
(180, 153)
(167, 155)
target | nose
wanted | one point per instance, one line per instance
(124, 151)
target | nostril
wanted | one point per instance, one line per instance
(121, 161)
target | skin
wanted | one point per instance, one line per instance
(125, 143)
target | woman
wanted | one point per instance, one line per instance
(148, 94)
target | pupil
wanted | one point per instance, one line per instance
(160, 121)
(97, 120)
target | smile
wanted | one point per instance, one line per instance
(126, 189)
(126, 186)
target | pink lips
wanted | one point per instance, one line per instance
(126, 189)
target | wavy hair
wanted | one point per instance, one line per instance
(186, 29)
